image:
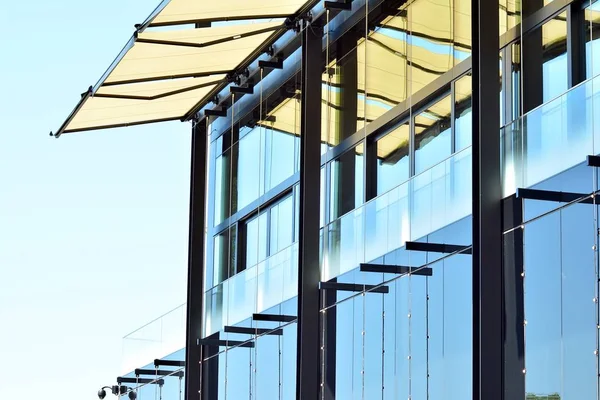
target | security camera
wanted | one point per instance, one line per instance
(101, 394)
(132, 395)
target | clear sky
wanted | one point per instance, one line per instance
(93, 226)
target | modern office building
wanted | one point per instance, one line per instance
(389, 199)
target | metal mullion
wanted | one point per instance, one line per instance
(452, 116)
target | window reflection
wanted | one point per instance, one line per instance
(265, 156)
(462, 112)
(592, 45)
(554, 42)
(269, 232)
(545, 67)
(347, 182)
(433, 139)
(393, 165)
(510, 14)
(225, 260)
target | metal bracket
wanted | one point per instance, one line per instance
(438, 247)
(274, 317)
(396, 269)
(353, 287)
(252, 331)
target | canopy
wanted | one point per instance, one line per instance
(164, 74)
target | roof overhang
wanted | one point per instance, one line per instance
(165, 74)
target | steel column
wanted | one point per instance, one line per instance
(514, 334)
(195, 292)
(307, 362)
(487, 206)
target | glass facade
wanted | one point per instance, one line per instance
(396, 161)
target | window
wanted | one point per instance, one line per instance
(393, 166)
(269, 232)
(545, 69)
(225, 255)
(592, 45)
(347, 182)
(433, 140)
(462, 112)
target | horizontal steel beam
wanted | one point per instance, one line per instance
(253, 331)
(438, 247)
(224, 343)
(274, 318)
(142, 381)
(353, 287)
(338, 5)
(158, 372)
(169, 363)
(396, 269)
(550, 195)
(271, 64)
(593, 161)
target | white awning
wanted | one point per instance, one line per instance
(164, 74)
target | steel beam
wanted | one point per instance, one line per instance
(274, 318)
(514, 311)
(158, 372)
(309, 274)
(252, 331)
(437, 247)
(396, 269)
(353, 287)
(196, 266)
(168, 363)
(487, 206)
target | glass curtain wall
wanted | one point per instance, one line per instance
(408, 337)
(559, 281)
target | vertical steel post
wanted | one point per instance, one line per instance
(195, 294)
(307, 362)
(487, 205)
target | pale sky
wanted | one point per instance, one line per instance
(93, 226)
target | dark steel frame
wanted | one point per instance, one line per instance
(196, 267)
(487, 205)
(498, 346)
(309, 271)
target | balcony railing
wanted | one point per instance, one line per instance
(551, 138)
(156, 339)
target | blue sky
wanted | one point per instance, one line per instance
(93, 226)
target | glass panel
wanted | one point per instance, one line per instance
(225, 260)
(222, 185)
(592, 45)
(551, 138)
(249, 168)
(433, 139)
(282, 217)
(347, 182)
(407, 212)
(393, 165)
(560, 320)
(554, 44)
(510, 14)
(256, 240)
(462, 112)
